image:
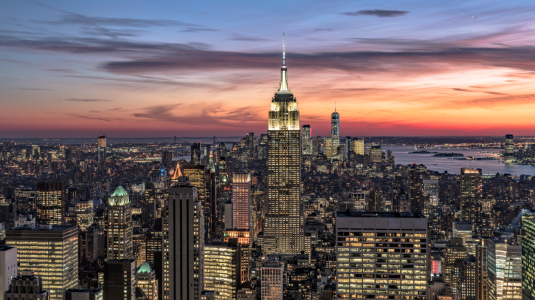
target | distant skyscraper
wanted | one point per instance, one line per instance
(357, 146)
(335, 129)
(183, 242)
(120, 279)
(416, 196)
(528, 254)
(306, 141)
(147, 282)
(51, 252)
(199, 177)
(283, 231)
(509, 153)
(119, 225)
(347, 147)
(272, 280)
(196, 153)
(50, 203)
(101, 155)
(241, 201)
(367, 261)
(471, 198)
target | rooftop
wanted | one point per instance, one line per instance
(43, 227)
(379, 215)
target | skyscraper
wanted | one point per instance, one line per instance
(50, 251)
(509, 154)
(357, 146)
(335, 129)
(147, 282)
(306, 140)
(283, 231)
(50, 203)
(199, 178)
(528, 254)
(504, 269)
(183, 242)
(471, 198)
(381, 253)
(120, 279)
(196, 153)
(119, 225)
(220, 269)
(241, 201)
(272, 280)
(416, 197)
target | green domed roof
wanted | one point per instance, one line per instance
(144, 268)
(119, 197)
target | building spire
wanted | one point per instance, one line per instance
(334, 105)
(283, 85)
(283, 49)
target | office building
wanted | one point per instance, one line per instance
(26, 286)
(283, 231)
(50, 201)
(471, 198)
(272, 278)
(84, 214)
(196, 153)
(509, 153)
(454, 251)
(241, 201)
(84, 294)
(199, 178)
(119, 279)
(357, 146)
(50, 251)
(247, 291)
(528, 254)
(119, 226)
(147, 282)
(221, 269)
(306, 141)
(244, 251)
(482, 290)
(467, 279)
(183, 242)
(376, 154)
(380, 254)
(504, 269)
(8, 267)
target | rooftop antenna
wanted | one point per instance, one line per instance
(334, 105)
(283, 48)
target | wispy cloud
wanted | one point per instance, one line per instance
(87, 100)
(377, 12)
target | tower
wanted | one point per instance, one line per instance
(50, 203)
(241, 200)
(509, 153)
(335, 130)
(306, 141)
(120, 230)
(283, 232)
(471, 198)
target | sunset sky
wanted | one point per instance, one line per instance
(201, 68)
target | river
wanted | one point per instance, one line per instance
(453, 166)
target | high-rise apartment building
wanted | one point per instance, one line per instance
(119, 226)
(50, 203)
(272, 277)
(183, 242)
(528, 254)
(379, 254)
(471, 198)
(8, 267)
(50, 251)
(119, 279)
(283, 231)
(357, 146)
(147, 282)
(241, 201)
(504, 269)
(509, 153)
(306, 141)
(221, 269)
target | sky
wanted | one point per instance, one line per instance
(202, 68)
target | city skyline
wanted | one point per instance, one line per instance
(403, 68)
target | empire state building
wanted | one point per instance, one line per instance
(283, 228)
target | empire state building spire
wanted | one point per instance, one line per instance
(283, 85)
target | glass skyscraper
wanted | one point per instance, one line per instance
(283, 231)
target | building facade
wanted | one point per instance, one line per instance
(381, 255)
(119, 226)
(221, 269)
(528, 254)
(8, 267)
(50, 201)
(241, 201)
(272, 276)
(504, 269)
(119, 279)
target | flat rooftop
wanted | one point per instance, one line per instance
(43, 228)
(374, 214)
